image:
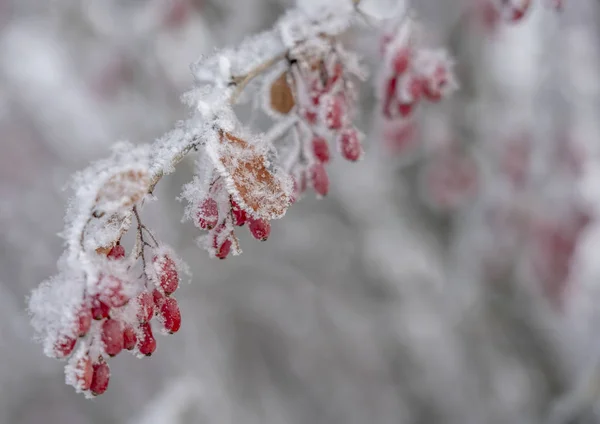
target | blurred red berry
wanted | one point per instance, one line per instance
(319, 179)
(84, 322)
(112, 337)
(129, 338)
(320, 149)
(350, 145)
(170, 314)
(100, 378)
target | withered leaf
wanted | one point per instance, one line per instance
(259, 189)
(281, 95)
(122, 190)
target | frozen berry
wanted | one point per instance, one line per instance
(100, 378)
(334, 111)
(320, 149)
(113, 291)
(84, 322)
(239, 215)
(145, 306)
(167, 273)
(260, 229)
(146, 342)
(100, 310)
(170, 314)
(117, 252)
(85, 373)
(64, 347)
(350, 145)
(112, 337)
(208, 214)
(224, 249)
(401, 60)
(129, 337)
(319, 179)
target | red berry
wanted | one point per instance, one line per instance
(129, 338)
(350, 145)
(171, 316)
(401, 60)
(390, 95)
(224, 249)
(84, 322)
(113, 293)
(158, 297)
(415, 89)
(145, 306)
(334, 112)
(100, 378)
(311, 117)
(208, 214)
(167, 273)
(112, 337)
(320, 179)
(85, 373)
(260, 229)
(146, 342)
(117, 252)
(100, 309)
(320, 149)
(405, 109)
(65, 347)
(239, 215)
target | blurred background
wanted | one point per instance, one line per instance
(465, 296)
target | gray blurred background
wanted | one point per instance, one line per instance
(365, 307)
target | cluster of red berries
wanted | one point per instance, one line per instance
(326, 103)
(220, 225)
(412, 75)
(122, 322)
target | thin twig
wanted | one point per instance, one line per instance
(243, 80)
(140, 236)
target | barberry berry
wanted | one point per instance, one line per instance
(129, 338)
(117, 252)
(112, 337)
(85, 373)
(260, 229)
(350, 145)
(320, 149)
(208, 214)
(239, 215)
(145, 306)
(100, 310)
(167, 273)
(64, 347)
(319, 179)
(170, 314)
(84, 322)
(100, 378)
(146, 343)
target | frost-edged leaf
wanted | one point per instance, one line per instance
(254, 184)
(281, 95)
(122, 190)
